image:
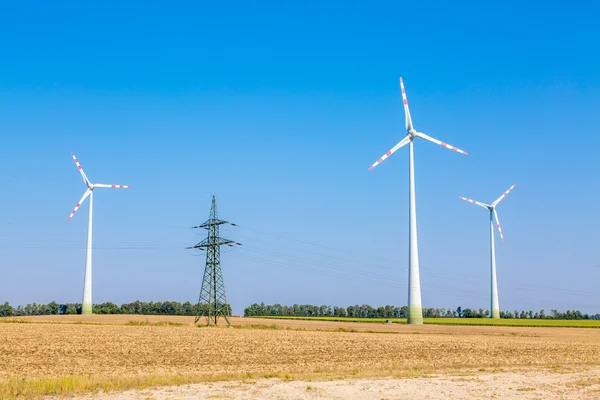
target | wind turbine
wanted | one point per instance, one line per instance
(495, 307)
(415, 308)
(86, 307)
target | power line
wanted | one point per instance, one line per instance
(438, 274)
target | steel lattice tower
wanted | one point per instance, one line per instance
(212, 301)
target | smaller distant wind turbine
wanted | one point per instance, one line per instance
(86, 307)
(495, 309)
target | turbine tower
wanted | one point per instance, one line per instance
(415, 308)
(86, 306)
(495, 306)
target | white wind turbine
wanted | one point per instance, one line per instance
(86, 307)
(495, 306)
(415, 308)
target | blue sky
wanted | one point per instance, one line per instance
(279, 109)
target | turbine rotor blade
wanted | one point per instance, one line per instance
(85, 178)
(474, 202)
(446, 145)
(498, 224)
(409, 125)
(85, 195)
(503, 195)
(401, 143)
(100, 185)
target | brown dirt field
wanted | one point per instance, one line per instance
(108, 350)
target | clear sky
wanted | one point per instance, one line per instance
(279, 109)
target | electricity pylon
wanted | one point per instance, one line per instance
(212, 301)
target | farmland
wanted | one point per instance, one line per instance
(463, 321)
(71, 354)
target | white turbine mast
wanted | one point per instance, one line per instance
(495, 305)
(86, 306)
(415, 308)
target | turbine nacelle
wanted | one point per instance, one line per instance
(492, 207)
(90, 186)
(412, 133)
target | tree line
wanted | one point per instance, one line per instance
(136, 307)
(296, 310)
(388, 311)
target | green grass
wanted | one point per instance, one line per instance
(552, 323)
(463, 321)
(340, 319)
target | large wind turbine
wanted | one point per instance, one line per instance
(86, 307)
(495, 307)
(415, 308)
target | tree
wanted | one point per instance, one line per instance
(187, 308)
(403, 312)
(72, 308)
(339, 311)
(6, 310)
(52, 308)
(522, 315)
